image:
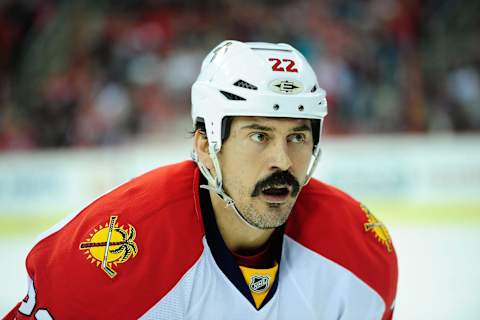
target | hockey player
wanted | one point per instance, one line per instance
(242, 232)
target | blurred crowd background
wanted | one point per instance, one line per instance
(88, 73)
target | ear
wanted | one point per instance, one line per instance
(201, 148)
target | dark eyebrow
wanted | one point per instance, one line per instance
(301, 128)
(255, 126)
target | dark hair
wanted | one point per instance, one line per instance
(198, 126)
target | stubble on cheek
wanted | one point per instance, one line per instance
(264, 215)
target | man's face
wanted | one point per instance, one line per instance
(264, 162)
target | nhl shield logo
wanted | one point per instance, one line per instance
(259, 283)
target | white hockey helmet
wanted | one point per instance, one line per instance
(254, 79)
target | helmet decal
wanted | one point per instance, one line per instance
(281, 65)
(286, 86)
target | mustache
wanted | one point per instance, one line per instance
(277, 178)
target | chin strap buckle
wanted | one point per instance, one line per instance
(228, 201)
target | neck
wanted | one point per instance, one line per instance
(237, 235)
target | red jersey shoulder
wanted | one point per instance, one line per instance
(336, 226)
(125, 242)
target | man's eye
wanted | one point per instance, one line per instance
(258, 137)
(297, 138)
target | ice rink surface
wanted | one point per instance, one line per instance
(439, 271)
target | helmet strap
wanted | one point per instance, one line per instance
(313, 164)
(317, 152)
(215, 184)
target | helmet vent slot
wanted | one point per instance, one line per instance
(314, 88)
(231, 96)
(244, 84)
(272, 49)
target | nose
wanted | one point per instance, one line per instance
(279, 156)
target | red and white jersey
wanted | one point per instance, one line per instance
(146, 250)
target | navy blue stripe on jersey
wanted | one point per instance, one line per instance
(277, 242)
(222, 255)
